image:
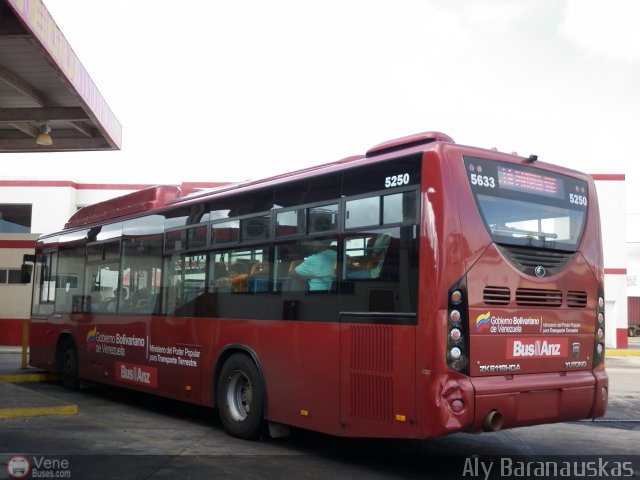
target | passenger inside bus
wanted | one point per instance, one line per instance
(238, 276)
(120, 297)
(258, 281)
(237, 280)
(370, 265)
(140, 300)
(99, 299)
(220, 270)
(320, 267)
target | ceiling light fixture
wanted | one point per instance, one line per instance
(44, 138)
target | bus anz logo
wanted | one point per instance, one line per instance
(139, 374)
(537, 347)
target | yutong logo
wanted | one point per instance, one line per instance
(139, 374)
(536, 347)
(581, 364)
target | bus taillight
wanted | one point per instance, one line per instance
(458, 328)
(598, 351)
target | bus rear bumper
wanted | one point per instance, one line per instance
(531, 399)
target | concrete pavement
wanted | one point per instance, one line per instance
(16, 401)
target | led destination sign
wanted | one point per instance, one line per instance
(529, 182)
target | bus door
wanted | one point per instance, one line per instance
(42, 307)
(174, 342)
(377, 381)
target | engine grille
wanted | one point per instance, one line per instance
(536, 297)
(526, 259)
(493, 295)
(576, 299)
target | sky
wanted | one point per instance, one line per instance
(216, 91)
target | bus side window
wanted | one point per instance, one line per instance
(43, 284)
(69, 279)
(244, 270)
(365, 256)
(141, 274)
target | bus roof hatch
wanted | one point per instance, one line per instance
(408, 142)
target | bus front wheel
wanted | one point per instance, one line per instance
(69, 365)
(240, 397)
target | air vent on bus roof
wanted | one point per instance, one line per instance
(135, 202)
(408, 142)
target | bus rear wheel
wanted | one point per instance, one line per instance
(240, 397)
(69, 365)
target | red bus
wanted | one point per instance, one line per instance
(421, 289)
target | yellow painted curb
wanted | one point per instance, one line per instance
(29, 377)
(38, 411)
(622, 353)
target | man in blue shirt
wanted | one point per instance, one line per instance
(320, 267)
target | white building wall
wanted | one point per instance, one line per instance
(633, 268)
(51, 205)
(14, 299)
(611, 196)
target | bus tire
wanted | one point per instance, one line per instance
(240, 397)
(69, 365)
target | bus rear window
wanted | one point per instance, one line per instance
(525, 206)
